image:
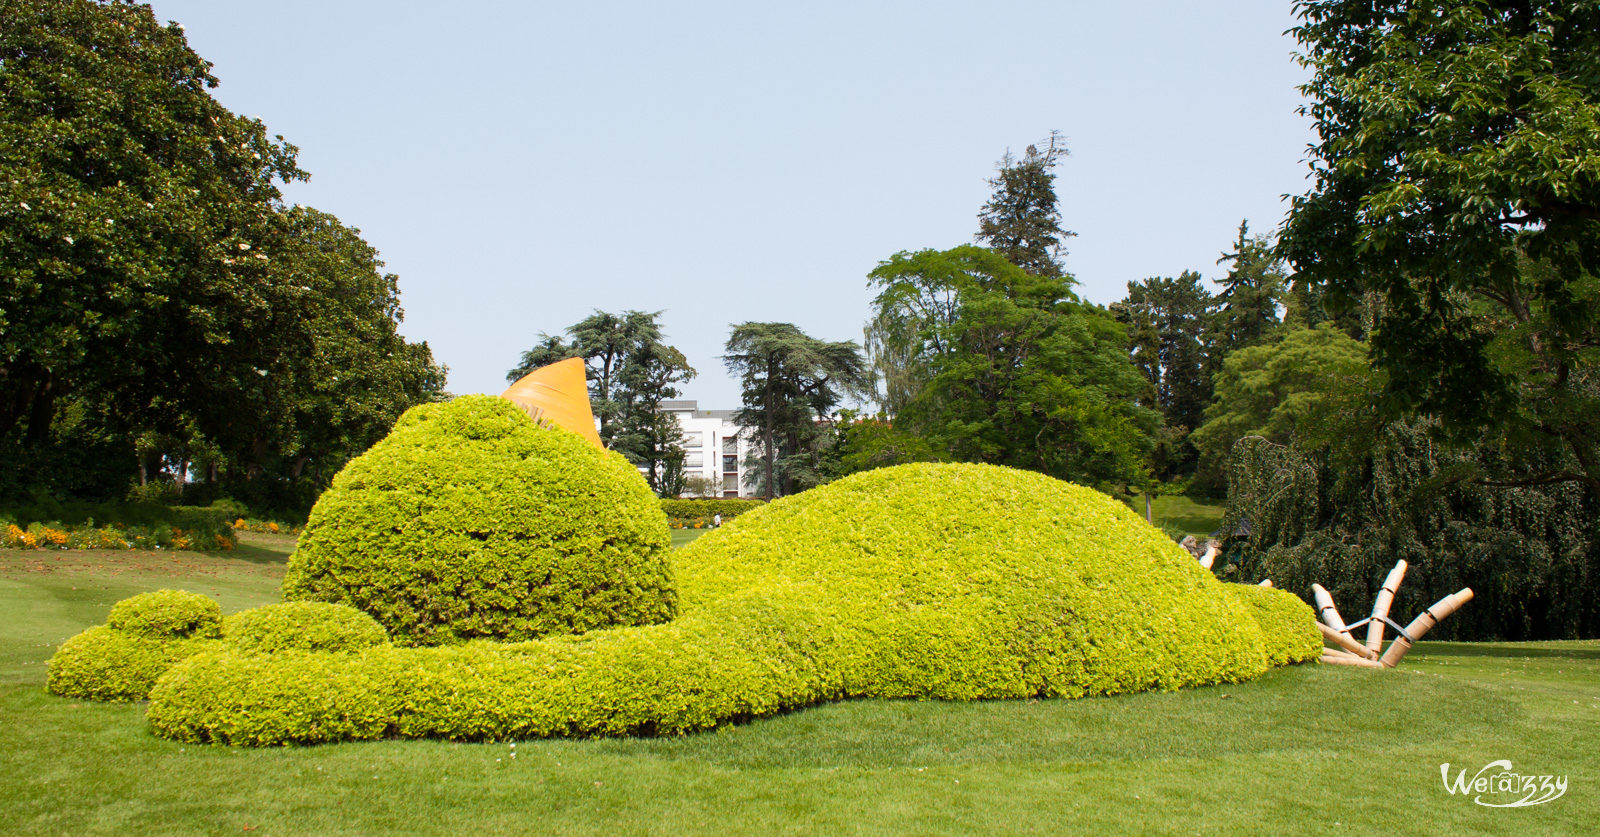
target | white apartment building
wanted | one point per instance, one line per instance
(713, 446)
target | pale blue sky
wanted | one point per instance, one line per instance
(518, 165)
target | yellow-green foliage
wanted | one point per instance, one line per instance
(104, 663)
(167, 613)
(922, 581)
(1288, 625)
(144, 636)
(728, 507)
(469, 520)
(303, 626)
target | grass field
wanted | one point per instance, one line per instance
(1190, 517)
(1312, 749)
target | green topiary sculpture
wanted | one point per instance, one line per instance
(920, 581)
(144, 636)
(302, 626)
(471, 521)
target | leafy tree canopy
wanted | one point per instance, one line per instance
(1015, 370)
(1457, 178)
(155, 295)
(1271, 389)
(132, 207)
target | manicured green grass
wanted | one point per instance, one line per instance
(683, 536)
(1190, 517)
(1311, 749)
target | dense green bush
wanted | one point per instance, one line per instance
(919, 581)
(469, 520)
(1288, 625)
(728, 507)
(104, 663)
(1342, 511)
(302, 626)
(167, 614)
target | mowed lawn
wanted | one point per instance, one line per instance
(1312, 749)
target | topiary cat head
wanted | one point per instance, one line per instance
(469, 520)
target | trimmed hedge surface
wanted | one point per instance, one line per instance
(103, 663)
(471, 521)
(167, 614)
(302, 626)
(947, 581)
(1288, 625)
(728, 507)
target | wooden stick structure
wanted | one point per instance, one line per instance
(1325, 609)
(1424, 623)
(1380, 606)
(1372, 654)
(1346, 643)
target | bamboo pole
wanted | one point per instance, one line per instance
(1348, 660)
(1424, 623)
(1380, 606)
(1345, 641)
(1326, 610)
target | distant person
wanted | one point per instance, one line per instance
(716, 520)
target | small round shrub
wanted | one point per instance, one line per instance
(922, 581)
(104, 663)
(167, 613)
(302, 626)
(469, 520)
(1288, 625)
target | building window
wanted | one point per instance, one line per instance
(692, 460)
(730, 464)
(730, 444)
(730, 483)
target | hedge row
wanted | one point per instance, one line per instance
(728, 507)
(922, 581)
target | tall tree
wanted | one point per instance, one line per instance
(650, 438)
(1022, 221)
(1170, 326)
(1247, 306)
(132, 206)
(1457, 179)
(1018, 371)
(790, 382)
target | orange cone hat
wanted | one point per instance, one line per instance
(557, 394)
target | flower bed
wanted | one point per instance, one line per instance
(115, 536)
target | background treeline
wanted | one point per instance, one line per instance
(163, 315)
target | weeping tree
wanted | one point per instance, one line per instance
(1340, 513)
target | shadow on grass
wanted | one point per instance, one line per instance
(256, 554)
(1522, 650)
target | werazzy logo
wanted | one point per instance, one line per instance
(1498, 785)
